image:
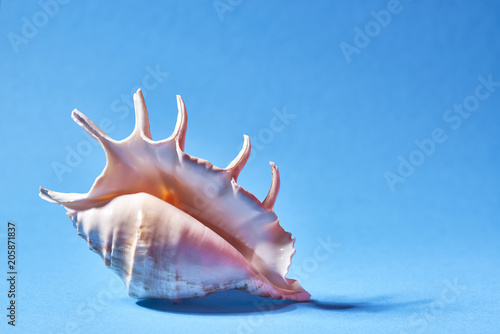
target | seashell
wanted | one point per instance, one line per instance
(174, 226)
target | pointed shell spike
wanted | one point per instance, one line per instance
(91, 128)
(241, 159)
(57, 197)
(45, 194)
(141, 115)
(179, 134)
(268, 203)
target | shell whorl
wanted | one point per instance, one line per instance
(208, 195)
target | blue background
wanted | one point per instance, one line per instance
(420, 256)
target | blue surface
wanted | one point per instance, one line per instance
(415, 251)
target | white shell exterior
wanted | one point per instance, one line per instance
(174, 226)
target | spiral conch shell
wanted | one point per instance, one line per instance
(174, 226)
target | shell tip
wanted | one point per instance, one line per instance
(76, 115)
(236, 166)
(141, 115)
(45, 194)
(179, 134)
(270, 199)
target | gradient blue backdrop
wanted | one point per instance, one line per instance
(418, 256)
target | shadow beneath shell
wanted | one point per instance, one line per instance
(238, 302)
(374, 304)
(223, 303)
